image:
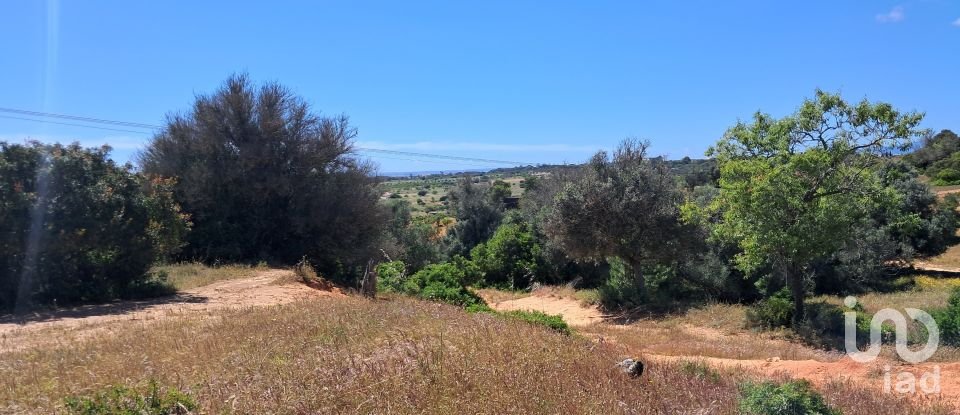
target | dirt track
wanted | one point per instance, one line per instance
(869, 376)
(266, 288)
(262, 289)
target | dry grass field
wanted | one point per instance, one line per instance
(343, 354)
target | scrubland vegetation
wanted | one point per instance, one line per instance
(397, 356)
(760, 243)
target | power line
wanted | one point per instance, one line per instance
(449, 163)
(79, 118)
(157, 127)
(408, 153)
(74, 125)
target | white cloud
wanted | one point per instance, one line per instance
(956, 22)
(893, 16)
(474, 146)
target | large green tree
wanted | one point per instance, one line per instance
(76, 227)
(791, 189)
(266, 178)
(624, 206)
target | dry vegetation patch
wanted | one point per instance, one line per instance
(187, 275)
(351, 355)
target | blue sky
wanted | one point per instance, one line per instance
(542, 82)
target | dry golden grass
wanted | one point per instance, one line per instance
(351, 355)
(187, 275)
(949, 259)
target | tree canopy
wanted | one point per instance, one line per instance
(265, 178)
(792, 188)
(624, 206)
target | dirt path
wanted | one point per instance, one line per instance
(264, 288)
(870, 376)
(572, 311)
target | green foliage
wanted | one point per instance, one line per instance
(792, 189)
(937, 157)
(411, 241)
(625, 206)
(76, 227)
(441, 282)
(773, 312)
(264, 178)
(620, 290)
(480, 308)
(553, 322)
(478, 209)
(791, 398)
(511, 258)
(120, 400)
(948, 320)
(391, 275)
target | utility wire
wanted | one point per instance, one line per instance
(74, 125)
(408, 153)
(450, 163)
(79, 118)
(157, 127)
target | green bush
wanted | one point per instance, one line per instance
(510, 259)
(479, 308)
(553, 322)
(620, 290)
(790, 398)
(76, 227)
(120, 400)
(441, 282)
(773, 312)
(390, 276)
(948, 320)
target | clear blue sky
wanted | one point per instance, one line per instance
(529, 81)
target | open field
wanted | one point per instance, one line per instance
(324, 353)
(243, 288)
(717, 335)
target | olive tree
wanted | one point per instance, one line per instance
(791, 189)
(624, 206)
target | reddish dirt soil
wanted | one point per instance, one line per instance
(869, 376)
(266, 288)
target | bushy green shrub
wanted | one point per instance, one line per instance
(479, 308)
(76, 227)
(390, 276)
(510, 259)
(790, 398)
(620, 290)
(441, 282)
(773, 312)
(553, 322)
(120, 400)
(948, 320)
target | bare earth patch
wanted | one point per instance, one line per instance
(676, 340)
(18, 332)
(573, 312)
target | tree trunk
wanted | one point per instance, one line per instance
(795, 281)
(639, 280)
